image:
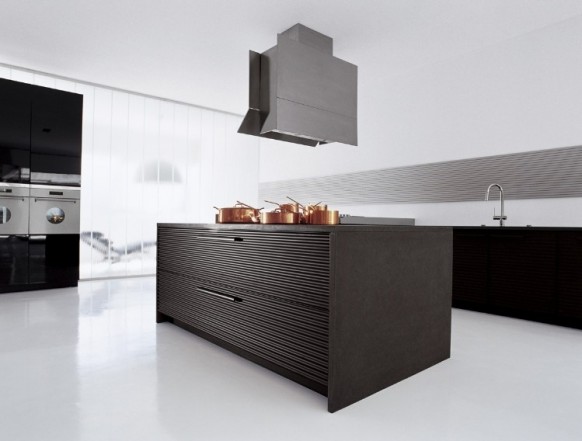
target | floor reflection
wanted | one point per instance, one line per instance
(39, 380)
(91, 364)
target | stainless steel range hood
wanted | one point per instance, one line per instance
(301, 93)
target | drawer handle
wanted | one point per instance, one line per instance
(217, 294)
(74, 201)
(223, 239)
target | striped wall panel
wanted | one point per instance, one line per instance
(552, 173)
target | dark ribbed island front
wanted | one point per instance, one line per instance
(344, 310)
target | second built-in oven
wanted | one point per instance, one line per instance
(54, 234)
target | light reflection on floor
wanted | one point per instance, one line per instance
(91, 364)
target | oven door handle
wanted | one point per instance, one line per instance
(12, 198)
(74, 201)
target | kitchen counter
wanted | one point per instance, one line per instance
(345, 310)
(532, 273)
(518, 228)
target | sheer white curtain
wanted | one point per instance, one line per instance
(148, 160)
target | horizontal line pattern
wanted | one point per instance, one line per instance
(551, 173)
(252, 325)
(289, 266)
(281, 280)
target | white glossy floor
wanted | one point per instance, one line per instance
(91, 364)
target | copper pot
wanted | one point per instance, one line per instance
(324, 217)
(309, 209)
(286, 208)
(240, 213)
(279, 217)
(316, 214)
(290, 208)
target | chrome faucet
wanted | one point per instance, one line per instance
(501, 218)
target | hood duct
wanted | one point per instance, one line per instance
(301, 93)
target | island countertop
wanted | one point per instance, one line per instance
(306, 228)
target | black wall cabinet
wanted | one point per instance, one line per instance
(55, 135)
(530, 273)
(40, 134)
(15, 111)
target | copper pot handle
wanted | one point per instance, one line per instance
(298, 203)
(248, 206)
(245, 205)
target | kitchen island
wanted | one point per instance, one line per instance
(345, 310)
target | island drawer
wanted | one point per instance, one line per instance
(291, 266)
(291, 335)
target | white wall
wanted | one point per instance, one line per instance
(147, 160)
(522, 94)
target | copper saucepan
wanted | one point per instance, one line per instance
(309, 209)
(299, 208)
(285, 214)
(279, 217)
(318, 214)
(240, 213)
(324, 217)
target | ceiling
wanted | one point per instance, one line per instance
(197, 51)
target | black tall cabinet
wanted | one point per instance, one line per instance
(40, 161)
(55, 137)
(15, 117)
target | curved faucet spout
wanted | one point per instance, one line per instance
(501, 218)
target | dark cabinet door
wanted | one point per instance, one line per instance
(470, 268)
(14, 131)
(13, 262)
(54, 259)
(523, 271)
(570, 275)
(56, 135)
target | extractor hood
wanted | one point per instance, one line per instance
(301, 93)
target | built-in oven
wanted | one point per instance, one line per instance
(54, 210)
(54, 234)
(14, 209)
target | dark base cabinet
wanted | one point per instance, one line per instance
(38, 262)
(54, 260)
(529, 273)
(13, 262)
(569, 288)
(345, 311)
